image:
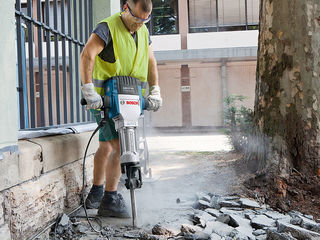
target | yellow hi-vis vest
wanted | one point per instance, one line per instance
(131, 59)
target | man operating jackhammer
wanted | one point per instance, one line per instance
(120, 45)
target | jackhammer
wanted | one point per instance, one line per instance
(123, 103)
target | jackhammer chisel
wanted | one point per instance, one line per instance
(123, 103)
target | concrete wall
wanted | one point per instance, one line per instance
(103, 9)
(8, 91)
(205, 90)
(206, 94)
(170, 115)
(241, 80)
(223, 39)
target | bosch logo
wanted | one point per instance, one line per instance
(132, 103)
(122, 102)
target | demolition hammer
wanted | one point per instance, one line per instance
(123, 103)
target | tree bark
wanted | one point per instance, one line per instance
(286, 113)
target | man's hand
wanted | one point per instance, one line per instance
(94, 100)
(154, 98)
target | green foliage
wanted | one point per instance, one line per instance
(238, 121)
(164, 17)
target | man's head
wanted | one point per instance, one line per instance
(135, 13)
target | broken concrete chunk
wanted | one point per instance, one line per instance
(147, 236)
(206, 198)
(231, 198)
(310, 217)
(201, 217)
(81, 229)
(224, 218)
(187, 228)
(249, 203)
(215, 236)
(261, 221)
(229, 204)
(160, 230)
(230, 211)
(64, 221)
(276, 215)
(213, 212)
(215, 202)
(203, 204)
(296, 231)
(258, 232)
(310, 224)
(218, 228)
(261, 237)
(273, 235)
(296, 220)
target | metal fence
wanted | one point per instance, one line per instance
(50, 36)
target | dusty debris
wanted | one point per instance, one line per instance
(160, 230)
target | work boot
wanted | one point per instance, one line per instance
(113, 205)
(94, 197)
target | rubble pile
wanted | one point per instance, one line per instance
(232, 217)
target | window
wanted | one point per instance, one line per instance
(164, 17)
(223, 15)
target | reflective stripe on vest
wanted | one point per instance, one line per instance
(131, 59)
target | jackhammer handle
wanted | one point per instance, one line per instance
(146, 104)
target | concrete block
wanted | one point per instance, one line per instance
(58, 151)
(44, 198)
(9, 171)
(30, 162)
(5, 232)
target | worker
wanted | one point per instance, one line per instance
(120, 45)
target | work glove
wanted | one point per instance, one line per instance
(154, 98)
(94, 100)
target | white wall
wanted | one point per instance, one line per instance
(166, 42)
(8, 91)
(223, 39)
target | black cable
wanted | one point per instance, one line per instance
(83, 182)
(83, 205)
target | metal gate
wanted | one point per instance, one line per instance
(50, 36)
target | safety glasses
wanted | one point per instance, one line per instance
(139, 19)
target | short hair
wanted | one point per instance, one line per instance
(146, 5)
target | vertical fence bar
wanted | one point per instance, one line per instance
(217, 14)
(64, 71)
(81, 40)
(70, 62)
(48, 41)
(86, 12)
(56, 58)
(31, 71)
(76, 61)
(246, 13)
(20, 73)
(90, 31)
(90, 17)
(41, 85)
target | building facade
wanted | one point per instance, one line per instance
(206, 50)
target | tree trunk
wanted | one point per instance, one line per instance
(286, 113)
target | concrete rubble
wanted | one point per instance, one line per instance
(214, 217)
(235, 218)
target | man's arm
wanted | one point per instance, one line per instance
(93, 47)
(152, 69)
(154, 98)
